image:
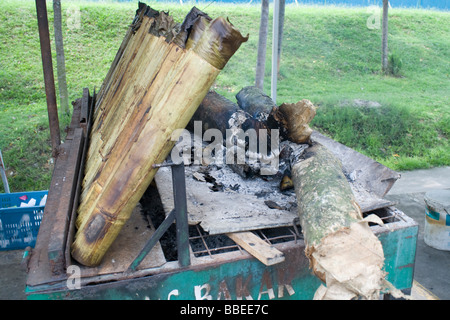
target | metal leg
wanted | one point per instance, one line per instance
(179, 215)
(152, 241)
(3, 174)
(179, 195)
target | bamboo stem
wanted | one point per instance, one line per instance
(154, 89)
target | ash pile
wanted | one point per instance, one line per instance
(238, 159)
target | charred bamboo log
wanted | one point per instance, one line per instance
(342, 249)
(254, 101)
(149, 95)
(235, 126)
(214, 111)
(255, 110)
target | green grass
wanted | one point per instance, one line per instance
(329, 57)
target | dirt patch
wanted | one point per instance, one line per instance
(360, 103)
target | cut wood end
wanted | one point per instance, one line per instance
(350, 262)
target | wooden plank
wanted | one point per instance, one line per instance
(75, 121)
(130, 241)
(42, 264)
(39, 265)
(257, 247)
(80, 173)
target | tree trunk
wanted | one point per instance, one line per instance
(60, 61)
(251, 112)
(262, 45)
(154, 93)
(217, 112)
(275, 32)
(214, 112)
(342, 249)
(384, 41)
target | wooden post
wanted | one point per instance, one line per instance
(60, 61)
(384, 41)
(47, 64)
(262, 44)
(275, 33)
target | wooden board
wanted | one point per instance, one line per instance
(129, 243)
(228, 210)
(70, 152)
(257, 247)
(370, 180)
(244, 208)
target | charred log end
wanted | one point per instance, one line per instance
(192, 28)
(295, 117)
(276, 120)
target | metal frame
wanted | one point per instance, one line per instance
(179, 215)
(3, 174)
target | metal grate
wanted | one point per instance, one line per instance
(204, 244)
(387, 215)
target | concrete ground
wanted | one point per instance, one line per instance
(432, 266)
(12, 275)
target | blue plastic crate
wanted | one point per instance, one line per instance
(19, 226)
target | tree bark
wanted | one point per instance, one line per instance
(60, 61)
(384, 40)
(262, 45)
(254, 101)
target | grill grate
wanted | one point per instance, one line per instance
(204, 244)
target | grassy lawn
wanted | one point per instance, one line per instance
(329, 56)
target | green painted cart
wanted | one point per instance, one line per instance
(187, 264)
